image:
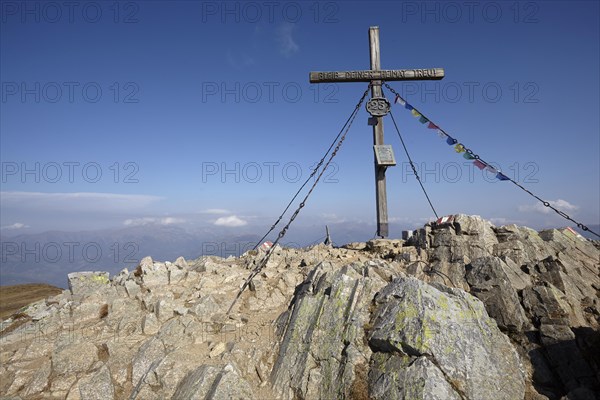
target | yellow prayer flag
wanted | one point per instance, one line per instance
(459, 148)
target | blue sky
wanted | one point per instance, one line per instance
(200, 113)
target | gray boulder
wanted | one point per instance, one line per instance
(468, 355)
(490, 283)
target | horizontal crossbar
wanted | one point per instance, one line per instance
(381, 75)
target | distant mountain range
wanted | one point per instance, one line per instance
(48, 257)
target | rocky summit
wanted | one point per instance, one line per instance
(459, 309)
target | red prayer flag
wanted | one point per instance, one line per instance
(479, 164)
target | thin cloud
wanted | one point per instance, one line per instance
(215, 211)
(153, 221)
(500, 221)
(285, 39)
(82, 201)
(15, 226)
(333, 218)
(232, 221)
(560, 204)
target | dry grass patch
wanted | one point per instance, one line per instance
(15, 297)
(360, 386)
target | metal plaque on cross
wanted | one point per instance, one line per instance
(378, 106)
(384, 155)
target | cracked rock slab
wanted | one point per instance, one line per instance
(212, 383)
(323, 335)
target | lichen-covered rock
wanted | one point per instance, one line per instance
(551, 275)
(450, 328)
(323, 336)
(397, 376)
(85, 283)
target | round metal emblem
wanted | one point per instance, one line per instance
(378, 106)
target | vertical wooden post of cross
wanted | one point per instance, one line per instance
(383, 154)
(380, 187)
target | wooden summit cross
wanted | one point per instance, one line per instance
(375, 75)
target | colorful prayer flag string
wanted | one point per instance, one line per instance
(458, 147)
(499, 175)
